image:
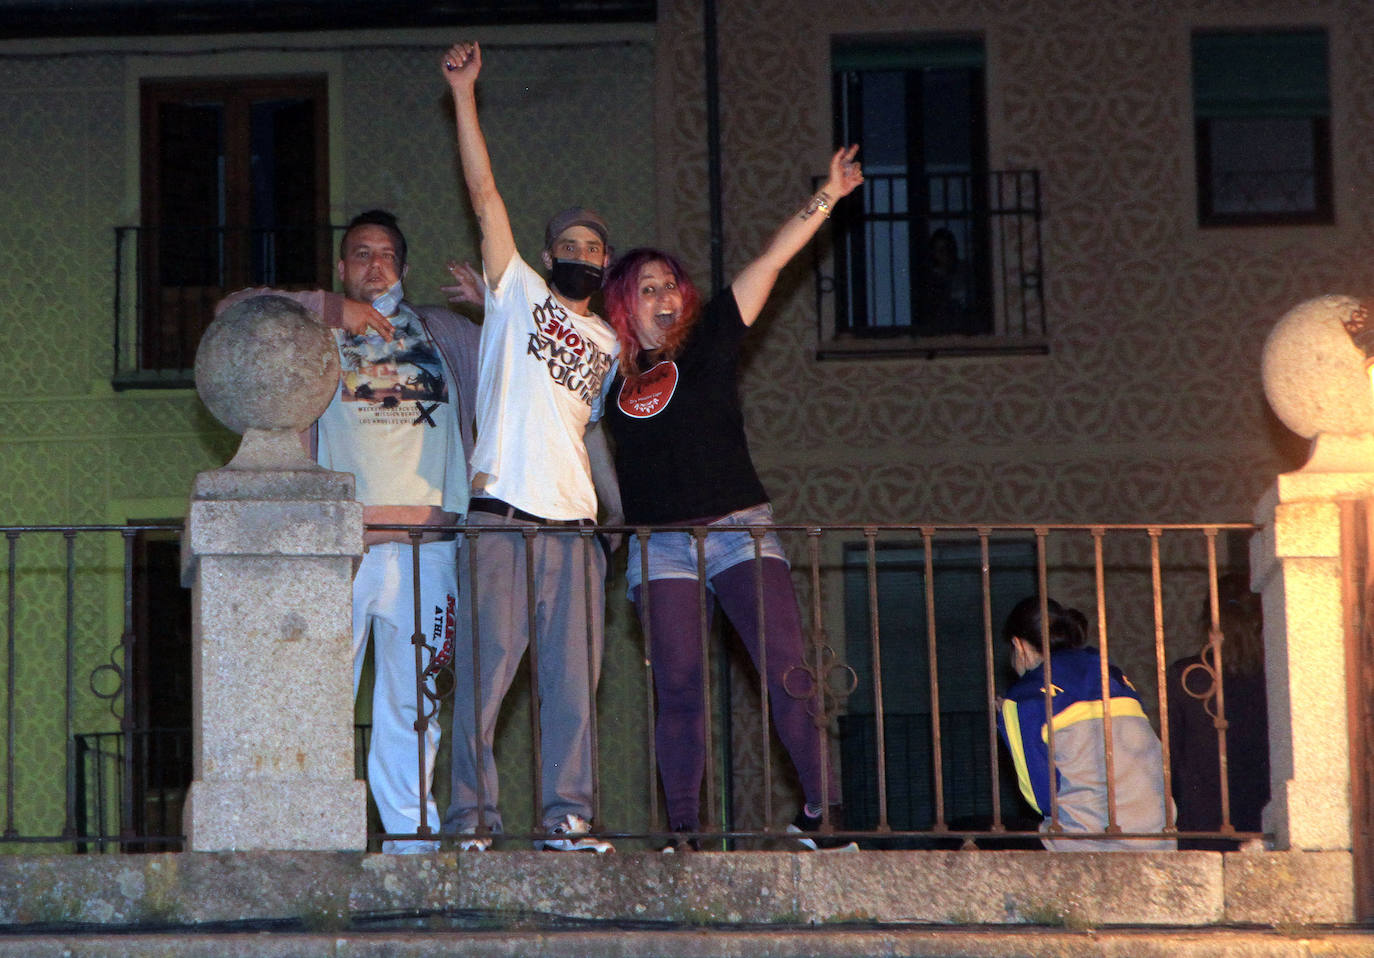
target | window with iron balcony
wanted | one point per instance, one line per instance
(234, 193)
(937, 254)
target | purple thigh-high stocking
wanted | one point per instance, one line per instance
(737, 590)
(676, 654)
(680, 730)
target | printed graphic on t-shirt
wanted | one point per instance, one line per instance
(648, 395)
(577, 364)
(397, 382)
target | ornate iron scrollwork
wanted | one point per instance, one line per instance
(835, 681)
(111, 668)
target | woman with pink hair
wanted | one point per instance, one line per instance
(682, 459)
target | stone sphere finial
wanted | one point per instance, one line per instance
(1315, 380)
(267, 368)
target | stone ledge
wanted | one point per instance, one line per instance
(505, 888)
(1283, 888)
(1073, 889)
(432, 941)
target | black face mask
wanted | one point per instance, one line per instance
(575, 279)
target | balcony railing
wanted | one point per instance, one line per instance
(903, 625)
(942, 263)
(130, 788)
(169, 278)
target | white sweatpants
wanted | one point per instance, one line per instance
(384, 602)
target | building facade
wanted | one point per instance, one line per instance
(1119, 263)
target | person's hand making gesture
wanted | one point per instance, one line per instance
(845, 173)
(468, 289)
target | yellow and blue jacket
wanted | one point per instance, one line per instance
(1079, 752)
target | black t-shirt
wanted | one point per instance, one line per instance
(680, 449)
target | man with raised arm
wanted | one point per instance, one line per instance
(540, 461)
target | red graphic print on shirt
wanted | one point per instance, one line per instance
(574, 363)
(445, 621)
(648, 395)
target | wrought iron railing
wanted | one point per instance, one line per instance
(169, 278)
(130, 788)
(902, 625)
(938, 263)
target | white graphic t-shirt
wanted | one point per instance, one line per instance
(390, 423)
(542, 373)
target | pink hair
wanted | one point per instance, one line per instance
(619, 293)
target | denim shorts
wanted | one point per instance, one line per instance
(673, 555)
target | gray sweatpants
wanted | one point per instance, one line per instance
(569, 571)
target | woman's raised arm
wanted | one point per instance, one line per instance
(755, 282)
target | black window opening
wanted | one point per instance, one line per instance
(935, 244)
(234, 194)
(968, 765)
(1262, 121)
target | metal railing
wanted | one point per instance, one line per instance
(902, 627)
(169, 278)
(154, 774)
(952, 259)
(64, 665)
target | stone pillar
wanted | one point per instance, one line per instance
(1296, 566)
(269, 551)
(1315, 379)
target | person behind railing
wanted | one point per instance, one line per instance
(1194, 686)
(949, 284)
(540, 461)
(1079, 783)
(401, 421)
(683, 459)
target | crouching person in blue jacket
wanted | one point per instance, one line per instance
(1080, 779)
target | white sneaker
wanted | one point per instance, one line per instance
(474, 844)
(575, 827)
(808, 827)
(822, 844)
(411, 847)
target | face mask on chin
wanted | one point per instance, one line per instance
(575, 279)
(387, 303)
